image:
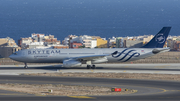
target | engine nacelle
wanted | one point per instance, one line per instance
(71, 63)
(101, 60)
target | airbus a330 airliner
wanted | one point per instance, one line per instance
(77, 57)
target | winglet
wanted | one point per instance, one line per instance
(159, 39)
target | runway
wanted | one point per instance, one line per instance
(147, 89)
(100, 68)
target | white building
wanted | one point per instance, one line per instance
(24, 42)
(65, 41)
(86, 40)
(37, 37)
(93, 43)
(89, 43)
(36, 44)
(70, 38)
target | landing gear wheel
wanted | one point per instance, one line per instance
(93, 67)
(25, 66)
(88, 66)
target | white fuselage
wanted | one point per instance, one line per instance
(59, 55)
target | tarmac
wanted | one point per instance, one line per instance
(169, 68)
(148, 90)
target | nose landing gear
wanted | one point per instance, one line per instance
(25, 66)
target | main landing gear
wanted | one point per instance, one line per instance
(25, 66)
(91, 67)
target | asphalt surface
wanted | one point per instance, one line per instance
(105, 68)
(147, 89)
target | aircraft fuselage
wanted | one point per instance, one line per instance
(58, 55)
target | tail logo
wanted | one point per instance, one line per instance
(125, 55)
(160, 38)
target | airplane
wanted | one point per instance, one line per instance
(90, 57)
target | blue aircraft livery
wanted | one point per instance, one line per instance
(127, 53)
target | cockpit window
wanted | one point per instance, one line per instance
(15, 53)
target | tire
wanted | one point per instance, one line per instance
(88, 66)
(25, 67)
(93, 67)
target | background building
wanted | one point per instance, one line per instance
(90, 43)
(76, 45)
(146, 39)
(133, 43)
(61, 47)
(39, 41)
(119, 42)
(101, 43)
(8, 47)
(111, 42)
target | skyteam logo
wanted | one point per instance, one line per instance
(160, 38)
(125, 55)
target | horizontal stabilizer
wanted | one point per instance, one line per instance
(160, 50)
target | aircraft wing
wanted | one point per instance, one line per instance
(90, 57)
(77, 61)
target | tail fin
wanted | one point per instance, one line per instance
(159, 39)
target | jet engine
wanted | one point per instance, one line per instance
(71, 63)
(100, 60)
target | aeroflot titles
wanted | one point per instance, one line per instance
(44, 52)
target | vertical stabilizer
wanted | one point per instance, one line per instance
(159, 39)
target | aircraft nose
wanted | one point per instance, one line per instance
(11, 56)
(16, 57)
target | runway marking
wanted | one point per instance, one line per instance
(163, 66)
(17, 65)
(124, 71)
(82, 97)
(163, 90)
(92, 70)
(126, 66)
(40, 95)
(156, 71)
